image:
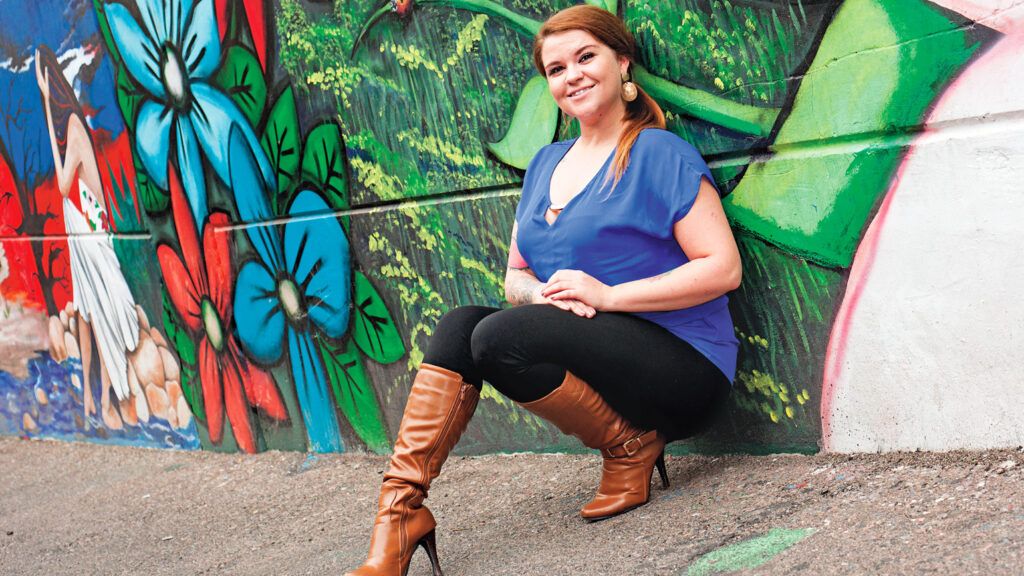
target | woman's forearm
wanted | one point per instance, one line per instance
(696, 282)
(521, 287)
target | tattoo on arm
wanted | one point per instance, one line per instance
(520, 286)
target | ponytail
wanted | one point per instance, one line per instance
(641, 113)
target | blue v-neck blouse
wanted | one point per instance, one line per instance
(625, 234)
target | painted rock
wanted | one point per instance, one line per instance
(158, 401)
(173, 389)
(184, 413)
(71, 345)
(171, 369)
(129, 414)
(147, 362)
(143, 319)
(141, 407)
(133, 381)
(158, 337)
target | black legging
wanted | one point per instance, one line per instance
(647, 374)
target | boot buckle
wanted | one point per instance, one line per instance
(626, 448)
(631, 446)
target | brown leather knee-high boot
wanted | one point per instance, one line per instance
(630, 454)
(439, 408)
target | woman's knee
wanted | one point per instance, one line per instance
(449, 345)
(511, 356)
(459, 322)
(501, 337)
(482, 343)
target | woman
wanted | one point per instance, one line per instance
(619, 262)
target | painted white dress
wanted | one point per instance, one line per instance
(101, 295)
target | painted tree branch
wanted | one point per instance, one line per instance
(742, 118)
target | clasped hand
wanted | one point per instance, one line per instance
(575, 291)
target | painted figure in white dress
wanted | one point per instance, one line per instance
(104, 306)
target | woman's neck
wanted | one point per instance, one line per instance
(602, 132)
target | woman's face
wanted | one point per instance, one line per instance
(584, 75)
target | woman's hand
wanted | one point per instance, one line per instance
(522, 287)
(576, 285)
(42, 78)
(575, 306)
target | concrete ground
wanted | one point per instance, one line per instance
(87, 509)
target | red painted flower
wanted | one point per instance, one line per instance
(201, 291)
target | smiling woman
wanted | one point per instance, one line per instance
(620, 260)
(591, 80)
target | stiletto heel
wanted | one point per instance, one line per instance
(660, 463)
(437, 412)
(429, 544)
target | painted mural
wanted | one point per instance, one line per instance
(82, 360)
(233, 224)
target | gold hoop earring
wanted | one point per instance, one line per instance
(629, 89)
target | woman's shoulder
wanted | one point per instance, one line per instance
(549, 152)
(557, 148)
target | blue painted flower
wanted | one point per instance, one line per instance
(298, 285)
(172, 54)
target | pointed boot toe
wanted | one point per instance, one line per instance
(626, 473)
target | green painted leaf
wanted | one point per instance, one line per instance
(525, 25)
(154, 200)
(323, 163)
(186, 349)
(374, 331)
(353, 391)
(242, 79)
(281, 143)
(123, 212)
(879, 67)
(533, 125)
(609, 5)
(129, 98)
